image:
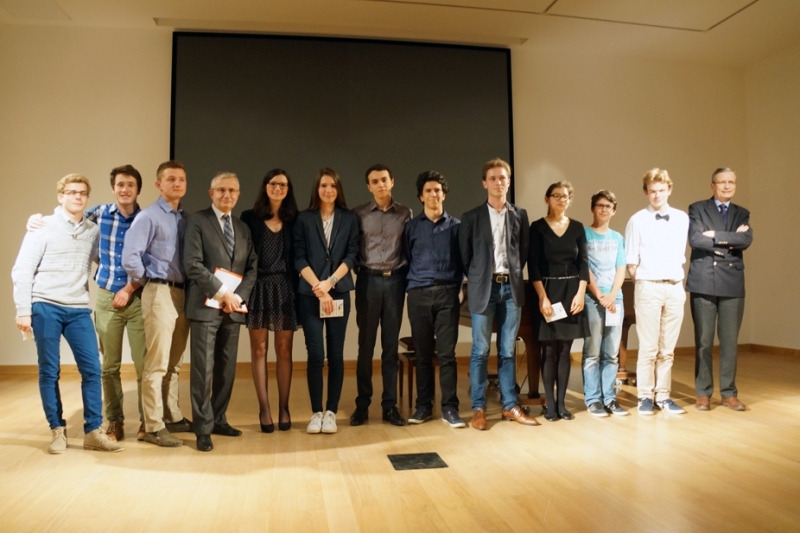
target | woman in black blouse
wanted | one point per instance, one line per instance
(272, 301)
(558, 265)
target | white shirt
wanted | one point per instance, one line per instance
(498, 222)
(658, 247)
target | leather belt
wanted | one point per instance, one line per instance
(500, 278)
(381, 273)
(669, 281)
(176, 284)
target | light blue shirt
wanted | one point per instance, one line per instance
(153, 244)
(606, 255)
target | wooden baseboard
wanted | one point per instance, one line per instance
(776, 350)
(243, 369)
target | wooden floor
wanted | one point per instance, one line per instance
(704, 472)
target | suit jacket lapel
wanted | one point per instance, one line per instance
(320, 231)
(715, 216)
(337, 219)
(511, 229)
(212, 218)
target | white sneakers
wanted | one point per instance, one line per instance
(59, 442)
(315, 426)
(322, 423)
(98, 440)
(329, 422)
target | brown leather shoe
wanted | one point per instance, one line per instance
(115, 430)
(140, 434)
(479, 419)
(734, 403)
(516, 413)
(702, 403)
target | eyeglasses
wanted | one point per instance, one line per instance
(73, 192)
(223, 190)
(278, 185)
(608, 207)
(559, 197)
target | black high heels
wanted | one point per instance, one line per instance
(285, 426)
(265, 428)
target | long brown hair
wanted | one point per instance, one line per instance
(313, 205)
(263, 208)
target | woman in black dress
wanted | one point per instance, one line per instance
(558, 266)
(272, 301)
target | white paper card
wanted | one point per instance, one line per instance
(558, 312)
(613, 319)
(231, 280)
(338, 310)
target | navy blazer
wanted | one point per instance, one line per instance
(257, 228)
(477, 253)
(716, 266)
(205, 250)
(311, 250)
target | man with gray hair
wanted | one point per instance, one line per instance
(719, 233)
(220, 264)
(51, 292)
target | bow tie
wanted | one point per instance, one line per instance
(662, 217)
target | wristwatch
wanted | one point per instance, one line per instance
(334, 280)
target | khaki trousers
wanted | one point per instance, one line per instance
(659, 314)
(166, 331)
(111, 323)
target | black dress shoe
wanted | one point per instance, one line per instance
(204, 443)
(182, 426)
(359, 416)
(226, 430)
(566, 415)
(392, 416)
(551, 417)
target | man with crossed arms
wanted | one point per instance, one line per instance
(719, 231)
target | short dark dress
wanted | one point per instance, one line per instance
(560, 263)
(272, 304)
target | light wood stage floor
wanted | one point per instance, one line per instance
(703, 471)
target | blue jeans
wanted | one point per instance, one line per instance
(600, 353)
(501, 305)
(335, 328)
(49, 323)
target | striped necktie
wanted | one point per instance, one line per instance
(228, 230)
(723, 209)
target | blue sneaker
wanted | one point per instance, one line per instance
(668, 406)
(645, 406)
(451, 417)
(420, 415)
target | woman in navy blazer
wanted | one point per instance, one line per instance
(325, 248)
(272, 300)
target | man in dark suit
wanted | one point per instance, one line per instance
(215, 240)
(719, 231)
(493, 239)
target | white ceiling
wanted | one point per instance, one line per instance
(728, 32)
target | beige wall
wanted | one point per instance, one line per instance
(773, 149)
(85, 100)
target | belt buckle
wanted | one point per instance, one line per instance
(386, 273)
(501, 278)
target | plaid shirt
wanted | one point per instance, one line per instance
(113, 225)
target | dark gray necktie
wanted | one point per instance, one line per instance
(228, 230)
(723, 209)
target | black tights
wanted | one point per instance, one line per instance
(555, 368)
